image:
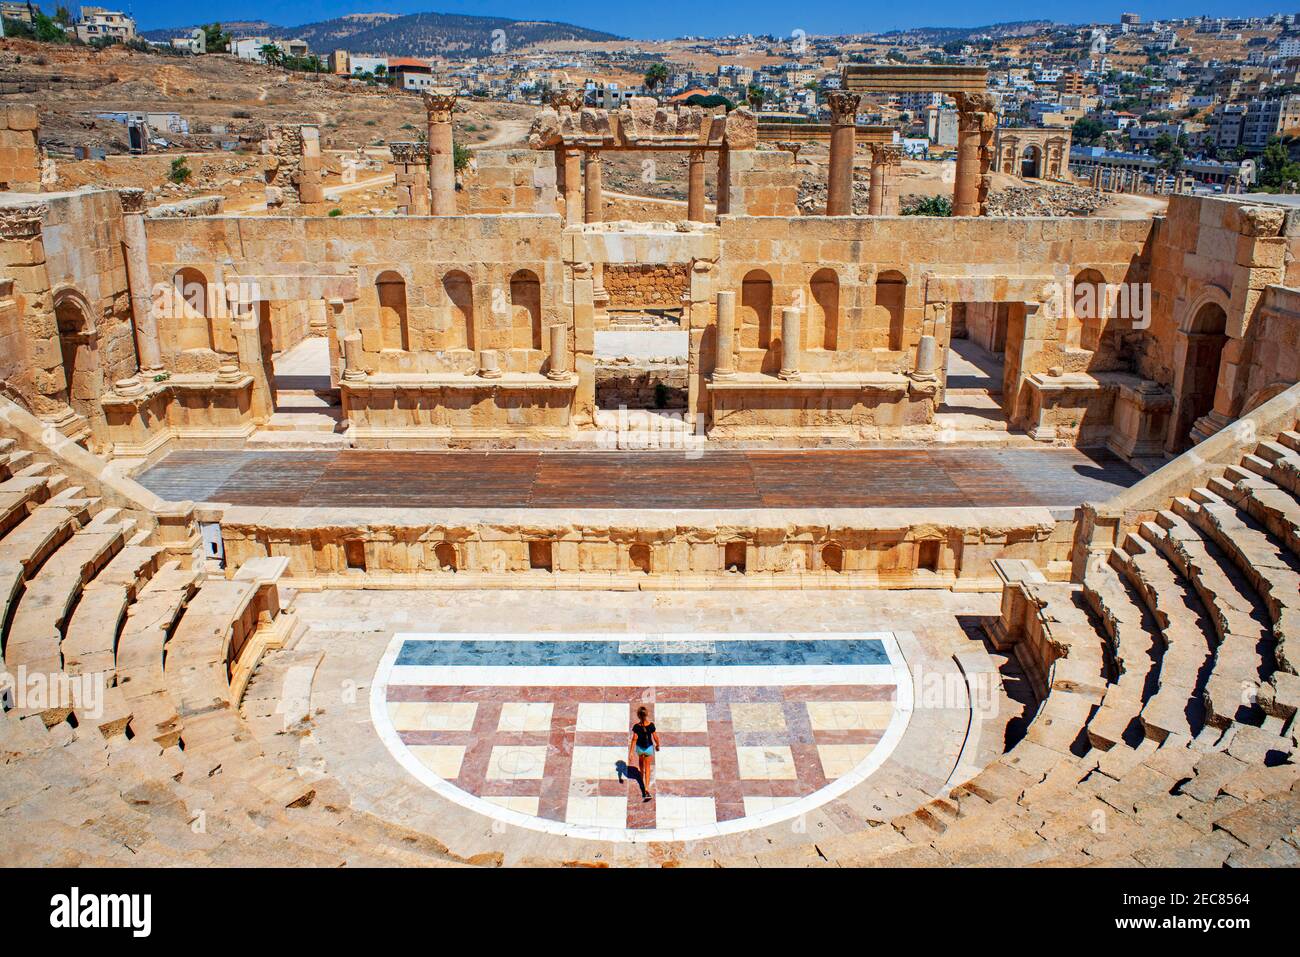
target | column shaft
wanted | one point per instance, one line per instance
(592, 198)
(695, 187)
(573, 209)
(724, 363)
(148, 348)
(789, 343)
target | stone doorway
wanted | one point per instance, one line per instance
(78, 345)
(1031, 163)
(1201, 347)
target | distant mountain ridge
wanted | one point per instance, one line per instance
(998, 31)
(415, 34)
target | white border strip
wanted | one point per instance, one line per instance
(903, 706)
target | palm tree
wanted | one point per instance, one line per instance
(272, 54)
(755, 96)
(657, 75)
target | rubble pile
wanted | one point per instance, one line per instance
(1048, 199)
(812, 196)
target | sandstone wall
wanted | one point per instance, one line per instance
(861, 262)
(450, 285)
(510, 181)
(660, 285)
(20, 157)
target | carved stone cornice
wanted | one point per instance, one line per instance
(132, 200)
(572, 100)
(790, 146)
(844, 106)
(411, 154)
(22, 222)
(438, 104)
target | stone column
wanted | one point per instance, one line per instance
(592, 198)
(438, 106)
(147, 344)
(695, 187)
(724, 364)
(789, 343)
(412, 176)
(559, 366)
(839, 181)
(883, 158)
(311, 192)
(975, 126)
(352, 368)
(572, 168)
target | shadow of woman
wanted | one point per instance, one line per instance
(627, 771)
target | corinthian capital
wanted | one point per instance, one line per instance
(409, 153)
(438, 104)
(132, 200)
(844, 106)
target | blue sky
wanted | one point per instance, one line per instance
(653, 19)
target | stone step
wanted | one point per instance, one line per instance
(1176, 707)
(1240, 622)
(1267, 567)
(299, 441)
(1135, 654)
(301, 422)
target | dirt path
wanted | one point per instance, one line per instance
(507, 132)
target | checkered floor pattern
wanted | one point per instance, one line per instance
(558, 753)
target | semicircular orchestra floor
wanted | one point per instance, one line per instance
(534, 729)
(436, 712)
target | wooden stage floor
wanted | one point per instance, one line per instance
(869, 478)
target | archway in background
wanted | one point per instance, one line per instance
(823, 330)
(891, 295)
(394, 332)
(1031, 163)
(1202, 346)
(526, 310)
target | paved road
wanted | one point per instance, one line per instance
(673, 480)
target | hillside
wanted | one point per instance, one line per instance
(416, 34)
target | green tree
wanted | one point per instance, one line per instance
(63, 15)
(46, 30)
(656, 76)
(180, 171)
(272, 54)
(1276, 169)
(1087, 130)
(755, 95)
(215, 39)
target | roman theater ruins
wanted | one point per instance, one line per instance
(334, 539)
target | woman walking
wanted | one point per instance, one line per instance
(644, 742)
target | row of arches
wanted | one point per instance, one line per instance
(193, 298)
(523, 302)
(823, 324)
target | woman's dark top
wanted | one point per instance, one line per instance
(643, 732)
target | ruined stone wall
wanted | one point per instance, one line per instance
(860, 267)
(659, 284)
(20, 156)
(876, 547)
(641, 386)
(760, 183)
(84, 255)
(510, 181)
(451, 286)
